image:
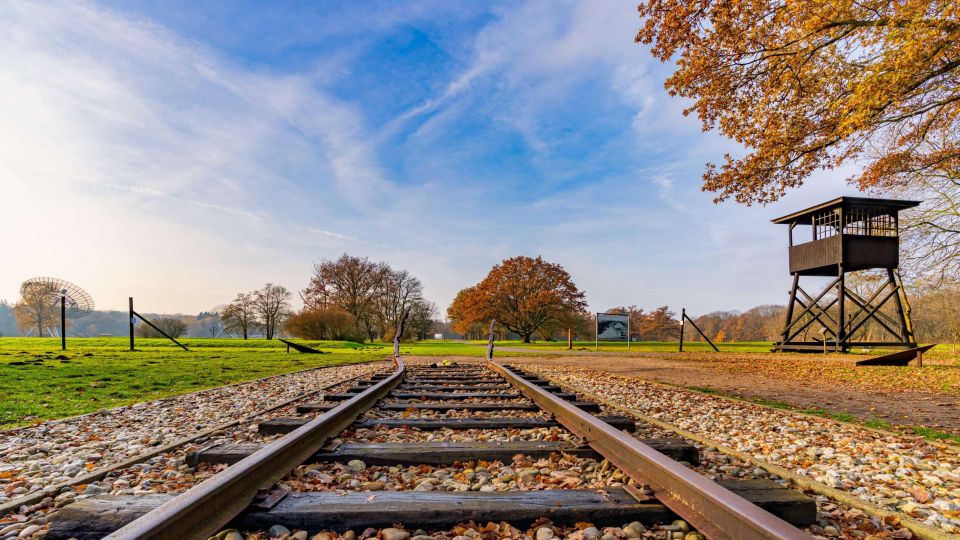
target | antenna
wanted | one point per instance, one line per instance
(42, 297)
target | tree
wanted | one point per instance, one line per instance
(931, 232)
(240, 315)
(813, 85)
(351, 283)
(421, 320)
(172, 325)
(523, 295)
(271, 304)
(39, 307)
(323, 323)
(397, 292)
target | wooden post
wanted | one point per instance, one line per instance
(63, 322)
(490, 340)
(596, 332)
(569, 339)
(683, 317)
(841, 326)
(130, 320)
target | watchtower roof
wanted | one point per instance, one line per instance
(894, 205)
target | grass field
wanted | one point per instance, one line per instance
(38, 381)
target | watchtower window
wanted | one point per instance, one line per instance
(826, 224)
(867, 221)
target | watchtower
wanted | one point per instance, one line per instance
(849, 234)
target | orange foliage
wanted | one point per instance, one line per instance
(815, 84)
(523, 294)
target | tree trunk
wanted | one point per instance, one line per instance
(526, 338)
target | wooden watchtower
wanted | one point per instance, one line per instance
(849, 234)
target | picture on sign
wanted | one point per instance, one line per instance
(612, 327)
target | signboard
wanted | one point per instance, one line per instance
(438, 336)
(613, 327)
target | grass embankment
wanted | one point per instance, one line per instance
(38, 381)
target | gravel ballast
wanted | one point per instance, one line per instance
(896, 472)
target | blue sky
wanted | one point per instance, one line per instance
(181, 151)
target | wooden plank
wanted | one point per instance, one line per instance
(439, 509)
(790, 505)
(96, 517)
(99, 516)
(282, 425)
(84, 519)
(300, 348)
(409, 380)
(305, 408)
(449, 395)
(900, 358)
(452, 405)
(456, 405)
(404, 387)
(441, 453)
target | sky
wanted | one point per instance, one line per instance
(182, 151)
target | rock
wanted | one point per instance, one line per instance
(326, 536)
(356, 465)
(693, 536)
(233, 535)
(394, 534)
(28, 532)
(590, 533)
(544, 533)
(299, 535)
(372, 486)
(276, 531)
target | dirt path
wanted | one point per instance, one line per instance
(904, 408)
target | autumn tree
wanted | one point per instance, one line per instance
(523, 294)
(814, 85)
(240, 315)
(271, 304)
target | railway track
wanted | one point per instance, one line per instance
(430, 447)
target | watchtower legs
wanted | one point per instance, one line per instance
(838, 324)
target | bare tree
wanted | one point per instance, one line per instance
(35, 310)
(931, 232)
(351, 283)
(271, 304)
(240, 315)
(398, 292)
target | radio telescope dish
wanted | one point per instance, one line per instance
(42, 295)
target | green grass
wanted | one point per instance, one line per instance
(39, 382)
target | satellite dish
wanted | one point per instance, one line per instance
(43, 294)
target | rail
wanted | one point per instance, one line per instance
(205, 508)
(713, 510)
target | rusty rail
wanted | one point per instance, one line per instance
(712, 509)
(204, 509)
